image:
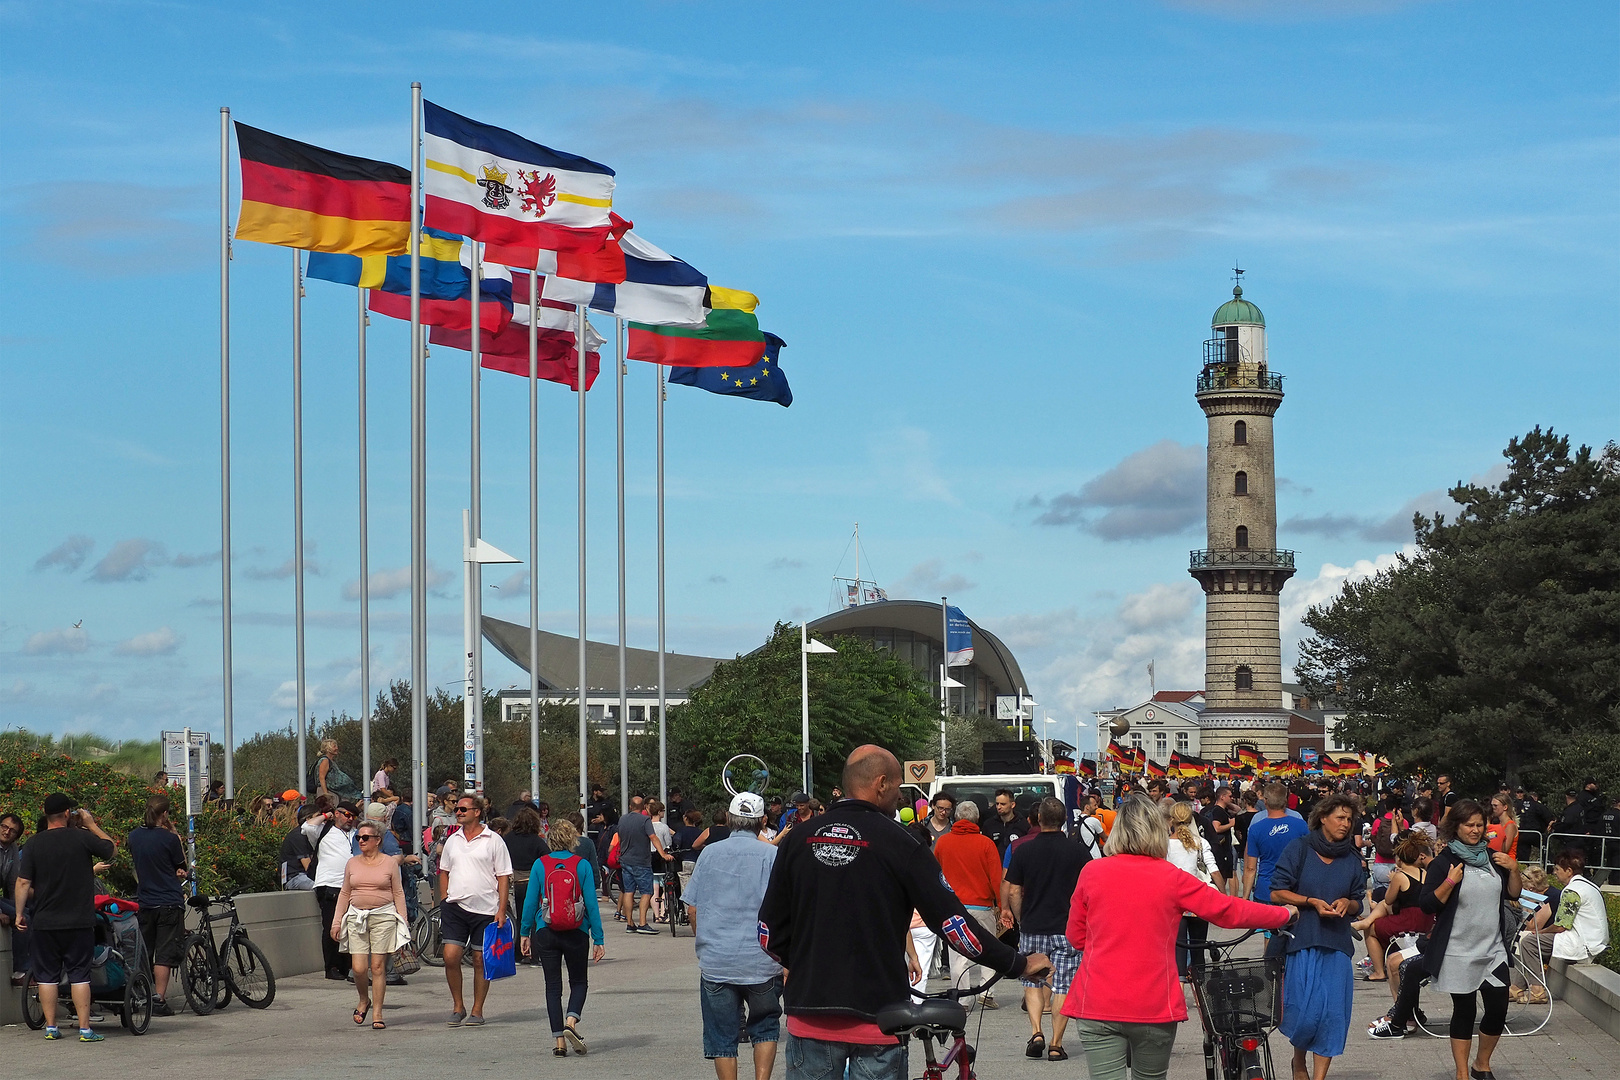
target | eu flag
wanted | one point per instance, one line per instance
(763, 381)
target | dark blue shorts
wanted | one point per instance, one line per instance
(63, 956)
(458, 926)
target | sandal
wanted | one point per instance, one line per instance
(377, 1025)
(1037, 1043)
(1057, 1053)
(360, 1014)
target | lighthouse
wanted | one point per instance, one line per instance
(1241, 569)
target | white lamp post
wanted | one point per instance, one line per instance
(1051, 758)
(946, 685)
(807, 645)
(474, 553)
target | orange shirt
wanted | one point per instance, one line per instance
(971, 866)
(1107, 817)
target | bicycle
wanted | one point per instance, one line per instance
(211, 972)
(1239, 1005)
(935, 1018)
(674, 908)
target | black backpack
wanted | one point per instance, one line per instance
(315, 854)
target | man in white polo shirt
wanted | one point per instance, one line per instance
(475, 879)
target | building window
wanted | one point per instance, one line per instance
(1245, 678)
(1243, 538)
(1183, 742)
(1136, 740)
(1161, 743)
(1240, 434)
(1240, 484)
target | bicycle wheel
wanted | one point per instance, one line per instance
(33, 1011)
(672, 904)
(247, 972)
(137, 1009)
(198, 976)
(425, 933)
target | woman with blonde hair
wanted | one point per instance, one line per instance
(1123, 919)
(555, 930)
(371, 914)
(1502, 833)
(1191, 852)
(332, 780)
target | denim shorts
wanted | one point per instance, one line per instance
(723, 1015)
(637, 880)
(813, 1059)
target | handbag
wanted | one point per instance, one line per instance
(405, 961)
(500, 953)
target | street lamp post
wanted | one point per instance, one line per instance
(475, 552)
(807, 645)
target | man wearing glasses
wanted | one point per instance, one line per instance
(332, 850)
(11, 830)
(475, 879)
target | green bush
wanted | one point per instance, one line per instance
(231, 853)
(1611, 956)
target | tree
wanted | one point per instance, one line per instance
(750, 705)
(1493, 650)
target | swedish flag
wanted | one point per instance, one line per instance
(763, 381)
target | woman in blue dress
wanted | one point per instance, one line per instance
(1321, 874)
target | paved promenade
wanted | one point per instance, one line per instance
(642, 1020)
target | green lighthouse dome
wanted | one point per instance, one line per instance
(1237, 312)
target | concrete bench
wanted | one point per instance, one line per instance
(1591, 990)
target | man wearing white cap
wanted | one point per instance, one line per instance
(741, 986)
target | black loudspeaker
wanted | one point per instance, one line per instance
(1011, 757)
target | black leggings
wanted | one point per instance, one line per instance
(554, 947)
(1494, 1020)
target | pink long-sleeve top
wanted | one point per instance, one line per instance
(1124, 917)
(371, 886)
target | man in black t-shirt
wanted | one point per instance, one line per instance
(57, 871)
(1041, 876)
(160, 868)
(1216, 825)
(1444, 797)
(1004, 824)
(296, 855)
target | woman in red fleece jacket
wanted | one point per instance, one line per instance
(1123, 919)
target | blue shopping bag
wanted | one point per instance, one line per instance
(500, 956)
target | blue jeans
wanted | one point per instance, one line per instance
(723, 1014)
(638, 880)
(812, 1059)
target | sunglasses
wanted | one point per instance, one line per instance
(369, 836)
(465, 809)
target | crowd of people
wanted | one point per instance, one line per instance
(1100, 910)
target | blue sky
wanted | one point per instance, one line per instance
(992, 236)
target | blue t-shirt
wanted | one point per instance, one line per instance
(1268, 838)
(1302, 871)
(726, 890)
(157, 854)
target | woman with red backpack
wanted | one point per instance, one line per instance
(558, 909)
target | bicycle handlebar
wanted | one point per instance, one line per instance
(1245, 936)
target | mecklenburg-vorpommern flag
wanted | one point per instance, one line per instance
(729, 337)
(763, 381)
(443, 275)
(303, 196)
(490, 184)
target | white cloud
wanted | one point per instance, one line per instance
(129, 560)
(387, 584)
(160, 642)
(1161, 605)
(928, 579)
(57, 642)
(69, 555)
(1157, 491)
(17, 692)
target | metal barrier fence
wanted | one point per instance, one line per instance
(1602, 852)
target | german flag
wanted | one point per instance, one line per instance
(1088, 767)
(1117, 754)
(302, 196)
(1153, 768)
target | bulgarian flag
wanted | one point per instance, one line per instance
(729, 337)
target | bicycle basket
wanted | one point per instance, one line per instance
(1241, 996)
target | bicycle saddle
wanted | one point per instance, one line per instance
(199, 902)
(930, 1012)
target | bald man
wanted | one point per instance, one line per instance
(837, 914)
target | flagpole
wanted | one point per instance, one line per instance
(579, 386)
(365, 562)
(474, 704)
(419, 793)
(298, 506)
(944, 667)
(663, 726)
(624, 691)
(225, 435)
(534, 535)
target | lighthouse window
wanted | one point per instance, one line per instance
(1243, 538)
(1240, 434)
(1240, 484)
(1245, 678)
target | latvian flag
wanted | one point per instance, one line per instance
(303, 196)
(493, 185)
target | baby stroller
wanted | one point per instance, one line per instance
(120, 976)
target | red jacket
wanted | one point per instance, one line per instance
(1124, 918)
(971, 864)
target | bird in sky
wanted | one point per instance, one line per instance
(78, 624)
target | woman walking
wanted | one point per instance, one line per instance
(1191, 852)
(1123, 920)
(558, 908)
(1465, 890)
(371, 906)
(1321, 874)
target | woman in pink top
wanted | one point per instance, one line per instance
(371, 908)
(1123, 919)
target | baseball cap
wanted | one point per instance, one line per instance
(58, 803)
(291, 795)
(747, 804)
(799, 798)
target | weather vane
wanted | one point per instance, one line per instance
(1237, 275)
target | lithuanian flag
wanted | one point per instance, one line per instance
(303, 196)
(729, 337)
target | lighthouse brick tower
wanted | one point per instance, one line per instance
(1241, 570)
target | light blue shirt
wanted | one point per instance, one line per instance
(726, 890)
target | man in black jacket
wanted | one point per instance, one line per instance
(836, 916)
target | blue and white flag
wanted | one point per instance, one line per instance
(658, 289)
(958, 637)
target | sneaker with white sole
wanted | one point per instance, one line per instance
(1383, 1028)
